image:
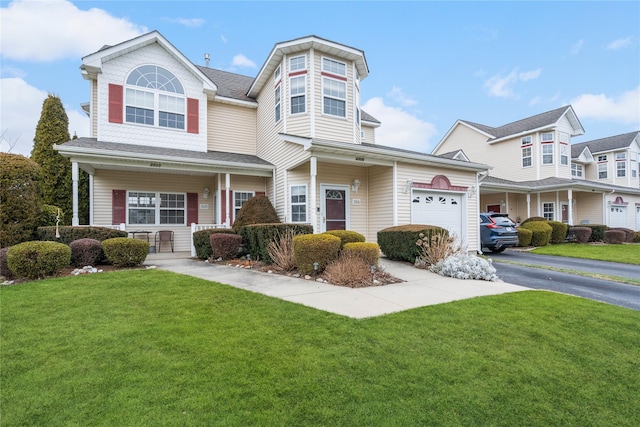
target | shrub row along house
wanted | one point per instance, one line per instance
(539, 172)
(174, 144)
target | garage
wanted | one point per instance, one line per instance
(618, 216)
(437, 208)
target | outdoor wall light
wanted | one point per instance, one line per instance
(205, 193)
(355, 185)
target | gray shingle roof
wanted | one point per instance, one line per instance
(534, 122)
(605, 144)
(93, 143)
(368, 117)
(230, 85)
(544, 184)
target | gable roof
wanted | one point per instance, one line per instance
(230, 85)
(552, 183)
(606, 144)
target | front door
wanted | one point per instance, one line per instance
(565, 213)
(335, 208)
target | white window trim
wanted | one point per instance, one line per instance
(291, 58)
(305, 204)
(236, 208)
(622, 169)
(552, 205)
(344, 64)
(325, 96)
(552, 154)
(577, 170)
(606, 170)
(304, 94)
(564, 155)
(157, 207)
(530, 156)
(277, 99)
(543, 135)
(526, 140)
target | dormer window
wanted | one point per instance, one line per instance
(155, 95)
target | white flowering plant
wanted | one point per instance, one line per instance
(464, 266)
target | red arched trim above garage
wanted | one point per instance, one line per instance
(439, 182)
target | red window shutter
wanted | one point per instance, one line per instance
(118, 206)
(260, 193)
(193, 114)
(192, 208)
(115, 103)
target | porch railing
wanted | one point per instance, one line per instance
(198, 227)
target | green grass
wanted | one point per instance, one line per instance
(628, 254)
(156, 348)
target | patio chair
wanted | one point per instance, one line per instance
(163, 236)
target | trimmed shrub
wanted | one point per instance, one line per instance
(524, 236)
(202, 241)
(125, 252)
(346, 236)
(225, 245)
(256, 238)
(558, 232)
(310, 248)
(636, 239)
(597, 232)
(368, 252)
(579, 234)
(399, 242)
(614, 237)
(628, 233)
(541, 232)
(256, 210)
(532, 219)
(36, 260)
(70, 233)
(86, 252)
(348, 270)
(4, 267)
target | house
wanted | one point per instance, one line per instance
(537, 171)
(178, 146)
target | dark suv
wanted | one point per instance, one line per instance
(497, 232)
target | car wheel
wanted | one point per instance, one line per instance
(498, 250)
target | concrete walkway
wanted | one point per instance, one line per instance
(420, 287)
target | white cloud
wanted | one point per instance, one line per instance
(624, 108)
(242, 61)
(43, 31)
(577, 47)
(502, 86)
(21, 105)
(400, 129)
(619, 43)
(187, 22)
(398, 95)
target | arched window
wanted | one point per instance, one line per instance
(155, 95)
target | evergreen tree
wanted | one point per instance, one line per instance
(53, 128)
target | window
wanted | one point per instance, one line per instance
(276, 75)
(634, 173)
(526, 156)
(362, 135)
(547, 153)
(239, 198)
(602, 158)
(277, 102)
(563, 138)
(576, 170)
(546, 137)
(526, 140)
(154, 95)
(298, 94)
(143, 208)
(548, 211)
(602, 171)
(298, 203)
(621, 169)
(334, 67)
(335, 95)
(297, 63)
(564, 158)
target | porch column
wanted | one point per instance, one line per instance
(285, 197)
(506, 202)
(528, 205)
(74, 182)
(90, 199)
(227, 186)
(394, 192)
(313, 203)
(570, 207)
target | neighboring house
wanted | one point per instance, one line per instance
(174, 144)
(536, 171)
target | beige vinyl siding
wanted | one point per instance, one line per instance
(588, 208)
(300, 123)
(380, 200)
(425, 175)
(94, 109)
(369, 134)
(328, 126)
(564, 126)
(106, 180)
(231, 128)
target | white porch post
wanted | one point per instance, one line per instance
(528, 205)
(227, 186)
(90, 199)
(285, 196)
(506, 202)
(394, 192)
(570, 207)
(74, 181)
(313, 166)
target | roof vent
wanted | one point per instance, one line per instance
(206, 60)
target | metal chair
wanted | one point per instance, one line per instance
(163, 236)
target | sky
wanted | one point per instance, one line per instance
(430, 63)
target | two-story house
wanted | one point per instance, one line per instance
(174, 144)
(538, 172)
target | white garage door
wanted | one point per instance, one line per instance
(618, 216)
(435, 208)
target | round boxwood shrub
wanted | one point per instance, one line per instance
(524, 236)
(225, 245)
(629, 234)
(532, 219)
(368, 252)
(346, 236)
(256, 210)
(202, 241)
(86, 252)
(579, 234)
(36, 260)
(541, 232)
(614, 237)
(310, 248)
(558, 232)
(125, 251)
(399, 242)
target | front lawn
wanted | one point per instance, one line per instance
(158, 348)
(628, 253)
